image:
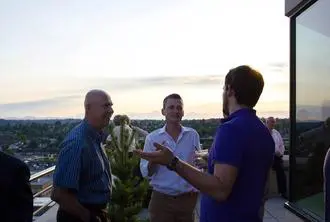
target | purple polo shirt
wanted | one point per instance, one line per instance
(242, 141)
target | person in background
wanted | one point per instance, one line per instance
(116, 120)
(278, 158)
(173, 199)
(123, 120)
(239, 160)
(16, 198)
(82, 177)
(140, 132)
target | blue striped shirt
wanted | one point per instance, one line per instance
(83, 166)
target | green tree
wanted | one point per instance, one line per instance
(129, 191)
(21, 137)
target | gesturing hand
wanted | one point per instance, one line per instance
(163, 155)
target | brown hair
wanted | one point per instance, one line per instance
(247, 84)
(171, 96)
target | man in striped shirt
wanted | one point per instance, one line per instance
(82, 178)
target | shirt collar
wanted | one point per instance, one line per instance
(183, 129)
(96, 134)
(240, 112)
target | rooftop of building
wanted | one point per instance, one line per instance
(46, 209)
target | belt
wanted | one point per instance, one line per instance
(181, 195)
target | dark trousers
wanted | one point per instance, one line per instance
(98, 214)
(280, 174)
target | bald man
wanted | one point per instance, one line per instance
(82, 177)
(279, 152)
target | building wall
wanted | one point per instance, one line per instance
(292, 6)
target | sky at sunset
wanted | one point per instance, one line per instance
(53, 52)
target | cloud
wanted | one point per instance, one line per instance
(71, 106)
(139, 96)
(28, 89)
(136, 83)
(278, 66)
(39, 103)
(68, 95)
(44, 107)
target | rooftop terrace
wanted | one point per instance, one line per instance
(45, 209)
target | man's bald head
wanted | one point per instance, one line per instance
(270, 122)
(94, 96)
(98, 108)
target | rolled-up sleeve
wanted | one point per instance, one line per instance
(148, 147)
(67, 171)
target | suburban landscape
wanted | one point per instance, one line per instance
(36, 142)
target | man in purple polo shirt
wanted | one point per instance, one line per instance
(240, 157)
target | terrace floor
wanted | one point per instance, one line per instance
(275, 212)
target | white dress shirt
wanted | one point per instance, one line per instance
(279, 144)
(164, 180)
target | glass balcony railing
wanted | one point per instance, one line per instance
(41, 185)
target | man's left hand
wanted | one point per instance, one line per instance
(163, 155)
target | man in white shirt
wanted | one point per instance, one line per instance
(173, 198)
(279, 152)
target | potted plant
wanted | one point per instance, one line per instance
(129, 190)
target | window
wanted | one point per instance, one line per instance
(312, 105)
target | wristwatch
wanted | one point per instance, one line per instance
(173, 163)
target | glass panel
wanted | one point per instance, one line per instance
(313, 104)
